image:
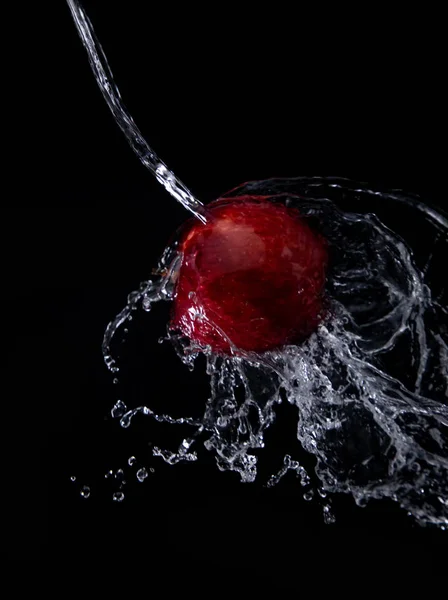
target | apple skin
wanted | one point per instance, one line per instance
(251, 278)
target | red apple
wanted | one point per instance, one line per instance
(252, 277)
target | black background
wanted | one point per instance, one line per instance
(224, 95)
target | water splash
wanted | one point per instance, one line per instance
(370, 386)
(105, 80)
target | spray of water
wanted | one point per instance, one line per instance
(370, 386)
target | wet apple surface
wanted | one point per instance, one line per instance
(251, 278)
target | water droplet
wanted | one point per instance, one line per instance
(185, 445)
(132, 460)
(329, 517)
(126, 419)
(322, 493)
(118, 496)
(142, 474)
(309, 495)
(73, 478)
(85, 491)
(152, 470)
(304, 479)
(115, 380)
(125, 330)
(108, 474)
(118, 409)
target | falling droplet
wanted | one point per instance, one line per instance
(118, 496)
(118, 409)
(329, 517)
(119, 474)
(85, 491)
(73, 478)
(142, 474)
(132, 460)
(152, 469)
(309, 495)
